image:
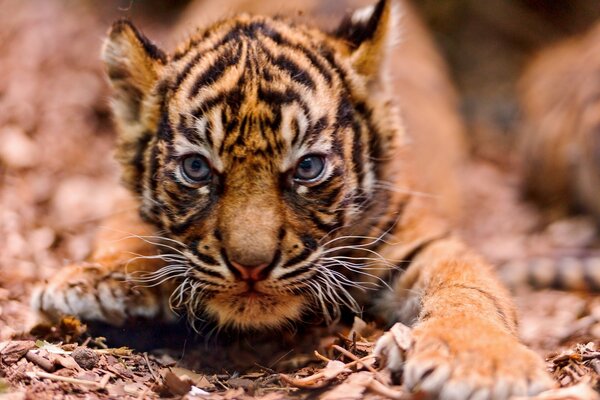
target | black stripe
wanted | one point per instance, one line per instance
(233, 98)
(205, 258)
(138, 158)
(295, 72)
(151, 176)
(345, 112)
(410, 257)
(304, 254)
(194, 61)
(323, 226)
(355, 33)
(189, 132)
(179, 228)
(276, 258)
(209, 133)
(495, 301)
(358, 162)
(209, 272)
(589, 277)
(295, 272)
(217, 235)
(216, 70)
(309, 54)
(279, 98)
(558, 281)
(151, 50)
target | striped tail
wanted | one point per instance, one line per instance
(565, 273)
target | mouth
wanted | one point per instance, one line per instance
(251, 297)
(251, 307)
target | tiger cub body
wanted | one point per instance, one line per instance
(560, 137)
(273, 178)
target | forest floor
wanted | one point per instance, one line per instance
(57, 180)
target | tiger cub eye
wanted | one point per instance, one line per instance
(310, 168)
(196, 168)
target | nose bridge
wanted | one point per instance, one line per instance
(250, 220)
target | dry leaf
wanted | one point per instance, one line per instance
(176, 385)
(50, 348)
(196, 391)
(198, 380)
(352, 388)
(12, 351)
(243, 383)
(134, 389)
(333, 369)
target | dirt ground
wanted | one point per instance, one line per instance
(56, 180)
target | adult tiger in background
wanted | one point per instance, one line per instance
(269, 164)
(559, 141)
(559, 146)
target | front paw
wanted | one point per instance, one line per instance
(94, 292)
(476, 360)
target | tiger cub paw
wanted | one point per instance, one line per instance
(475, 361)
(94, 292)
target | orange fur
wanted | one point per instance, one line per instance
(252, 99)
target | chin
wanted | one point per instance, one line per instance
(255, 311)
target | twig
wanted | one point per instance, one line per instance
(75, 381)
(355, 358)
(321, 357)
(308, 382)
(150, 368)
(224, 386)
(37, 359)
(267, 369)
(104, 380)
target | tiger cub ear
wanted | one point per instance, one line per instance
(369, 33)
(133, 64)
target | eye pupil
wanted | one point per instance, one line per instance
(196, 168)
(306, 164)
(196, 165)
(309, 168)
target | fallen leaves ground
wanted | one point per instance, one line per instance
(56, 175)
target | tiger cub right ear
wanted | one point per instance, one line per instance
(133, 64)
(369, 33)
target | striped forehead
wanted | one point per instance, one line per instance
(252, 88)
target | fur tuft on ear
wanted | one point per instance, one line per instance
(369, 33)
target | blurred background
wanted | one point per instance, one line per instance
(57, 175)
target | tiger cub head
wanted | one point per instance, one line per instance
(251, 147)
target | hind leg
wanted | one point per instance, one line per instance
(101, 288)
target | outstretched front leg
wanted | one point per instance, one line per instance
(465, 340)
(104, 288)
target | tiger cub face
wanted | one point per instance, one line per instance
(251, 146)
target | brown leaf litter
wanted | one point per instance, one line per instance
(53, 193)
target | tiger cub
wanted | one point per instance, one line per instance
(560, 136)
(270, 170)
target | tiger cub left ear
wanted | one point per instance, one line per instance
(133, 64)
(369, 33)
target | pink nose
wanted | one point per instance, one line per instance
(250, 273)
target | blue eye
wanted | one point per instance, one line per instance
(309, 168)
(196, 168)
